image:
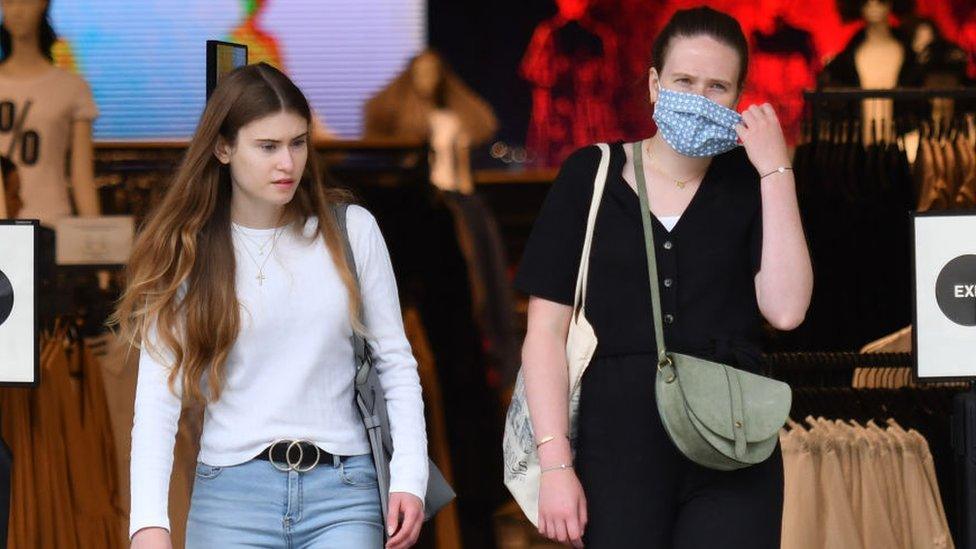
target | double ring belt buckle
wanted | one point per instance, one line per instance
(290, 464)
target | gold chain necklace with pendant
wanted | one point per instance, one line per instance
(678, 182)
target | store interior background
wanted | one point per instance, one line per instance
(454, 250)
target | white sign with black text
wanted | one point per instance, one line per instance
(19, 358)
(945, 295)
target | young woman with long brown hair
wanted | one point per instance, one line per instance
(239, 294)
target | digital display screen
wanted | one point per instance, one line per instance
(146, 66)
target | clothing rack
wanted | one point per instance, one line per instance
(907, 94)
(861, 166)
(915, 102)
(827, 369)
(822, 386)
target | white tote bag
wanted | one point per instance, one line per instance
(522, 471)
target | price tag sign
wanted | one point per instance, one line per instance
(103, 240)
(944, 280)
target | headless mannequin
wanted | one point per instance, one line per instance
(26, 61)
(878, 61)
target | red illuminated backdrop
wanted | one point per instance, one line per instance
(604, 96)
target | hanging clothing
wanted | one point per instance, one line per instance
(824, 386)
(851, 486)
(572, 68)
(854, 200)
(64, 491)
(481, 243)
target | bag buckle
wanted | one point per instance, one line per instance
(666, 362)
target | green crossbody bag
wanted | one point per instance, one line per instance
(718, 416)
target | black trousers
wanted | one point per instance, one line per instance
(642, 492)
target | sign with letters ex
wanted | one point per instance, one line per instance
(944, 281)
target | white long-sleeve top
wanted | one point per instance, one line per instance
(290, 373)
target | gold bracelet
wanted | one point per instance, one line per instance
(559, 467)
(549, 438)
(781, 169)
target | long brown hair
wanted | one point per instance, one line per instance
(180, 302)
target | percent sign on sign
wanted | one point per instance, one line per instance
(29, 140)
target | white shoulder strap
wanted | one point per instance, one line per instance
(579, 297)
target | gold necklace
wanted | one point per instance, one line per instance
(274, 240)
(260, 246)
(678, 182)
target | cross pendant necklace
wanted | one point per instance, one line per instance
(260, 265)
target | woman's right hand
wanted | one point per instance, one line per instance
(152, 538)
(562, 507)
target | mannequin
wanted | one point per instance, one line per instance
(875, 58)
(941, 62)
(878, 60)
(880, 56)
(47, 111)
(428, 102)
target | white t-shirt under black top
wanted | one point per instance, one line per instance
(290, 373)
(36, 119)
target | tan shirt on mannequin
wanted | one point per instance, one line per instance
(44, 109)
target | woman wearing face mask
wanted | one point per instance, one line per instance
(730, 251)
(240, 295)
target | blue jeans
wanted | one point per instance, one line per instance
(255, 505)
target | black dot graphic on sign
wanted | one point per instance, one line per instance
(6, 297)
(955, 290)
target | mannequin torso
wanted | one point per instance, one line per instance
(52, 111)
(878, 61)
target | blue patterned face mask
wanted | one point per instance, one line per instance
(694, 125)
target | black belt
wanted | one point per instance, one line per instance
(294, 455)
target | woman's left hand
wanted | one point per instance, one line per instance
(404, 520)
(762, 136)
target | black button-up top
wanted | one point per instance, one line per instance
(706, 264)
